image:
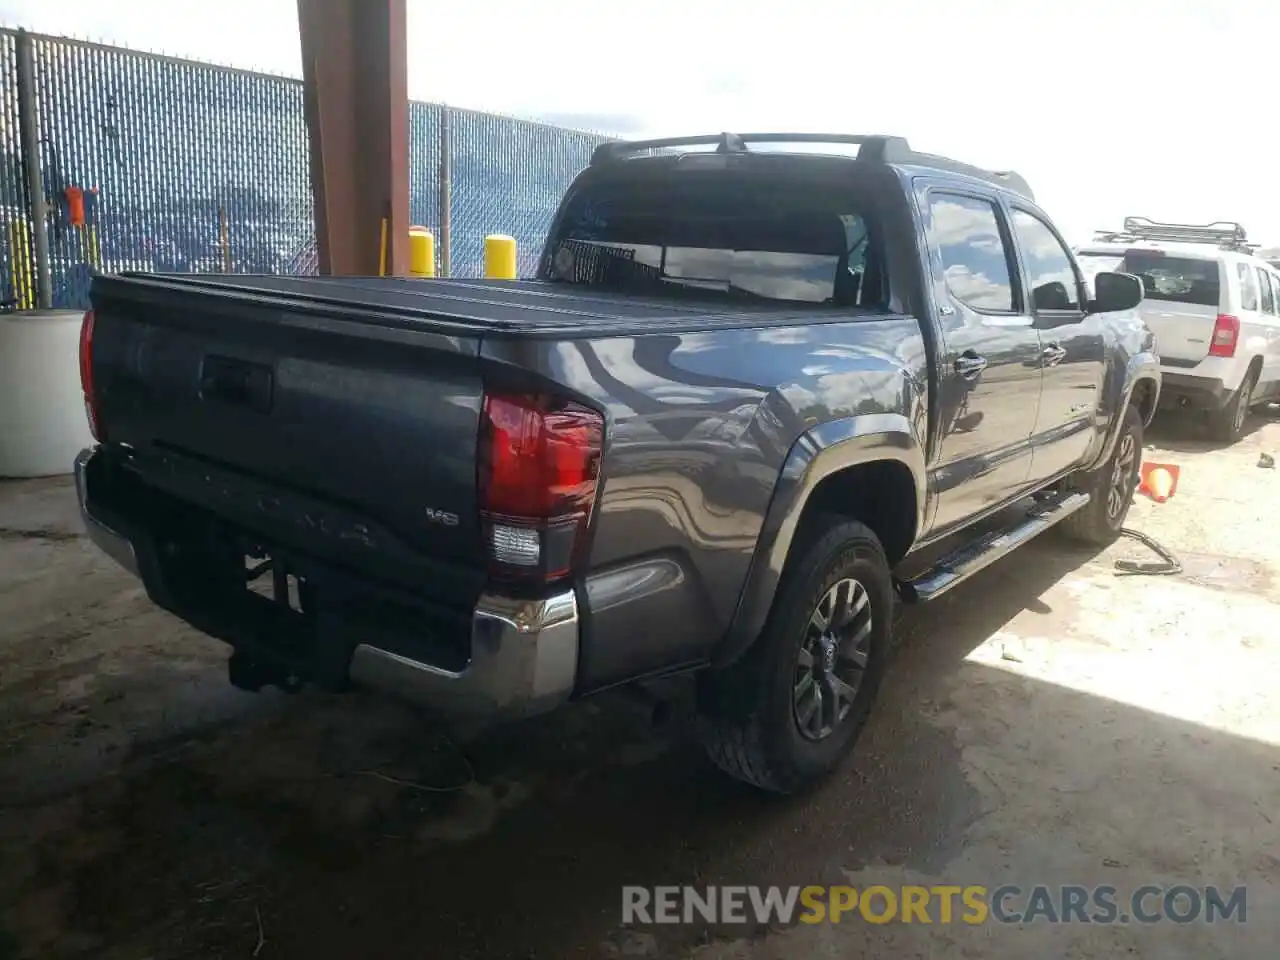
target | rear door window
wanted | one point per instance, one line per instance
(1248, 287)
(1268, 292)
(1175, 279)
(975, 260)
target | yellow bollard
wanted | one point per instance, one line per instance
(499, 257)
(20, 253)
(422, 252)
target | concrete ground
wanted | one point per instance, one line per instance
(1048, 723)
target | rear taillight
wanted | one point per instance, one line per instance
(1226, 333)
(538, 466)
(86, 377)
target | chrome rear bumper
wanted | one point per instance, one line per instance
(113, 544)
(524, 658)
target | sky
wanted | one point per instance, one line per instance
(1167, 109)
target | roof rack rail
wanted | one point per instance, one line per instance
(875, 148)
(1225, 234)
(872, 146)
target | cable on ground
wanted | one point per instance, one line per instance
(1167, 566)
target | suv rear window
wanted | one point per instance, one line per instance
(1174, 279)
(719, 233)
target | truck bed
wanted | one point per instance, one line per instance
(340, 417)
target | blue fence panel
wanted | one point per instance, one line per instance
(424, 167)
(189, 166)
(508, 176)
(185, 166)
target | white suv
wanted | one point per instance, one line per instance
(1213, 307)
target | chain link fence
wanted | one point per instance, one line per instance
(508, 176)
(154, 163)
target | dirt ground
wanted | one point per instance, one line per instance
(1048, 723)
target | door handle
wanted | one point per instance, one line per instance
(1053, 355)
(969, 365)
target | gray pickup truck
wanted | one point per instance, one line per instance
(754, 375)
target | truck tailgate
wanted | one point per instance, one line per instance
(373, 422)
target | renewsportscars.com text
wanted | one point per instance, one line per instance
(934, 904)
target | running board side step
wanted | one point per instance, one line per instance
(959, 565)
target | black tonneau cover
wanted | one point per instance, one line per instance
(525, 307)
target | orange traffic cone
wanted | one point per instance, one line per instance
(1159, 481)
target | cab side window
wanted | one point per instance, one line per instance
(975, 258)
(1248, 287)
(1051, 274)
(1268, 292)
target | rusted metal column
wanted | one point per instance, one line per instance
(355, 71)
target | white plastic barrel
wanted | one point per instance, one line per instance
(42, 419)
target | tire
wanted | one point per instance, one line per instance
(1110, 487)
(1227, 424)
(756, 723)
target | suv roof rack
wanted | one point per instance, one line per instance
(873, 148)
(1225, 234)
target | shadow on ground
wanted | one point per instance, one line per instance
(1189, 433)
(348, 827)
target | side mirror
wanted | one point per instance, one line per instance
(1114, 292)
(1052, 296)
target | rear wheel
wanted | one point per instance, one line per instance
(787, 713)
(1228, 423)
(1110, 487)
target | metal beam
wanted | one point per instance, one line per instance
(355, 74)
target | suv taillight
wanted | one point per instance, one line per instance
(538, 466)
(86, 377)
(1226, 333)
